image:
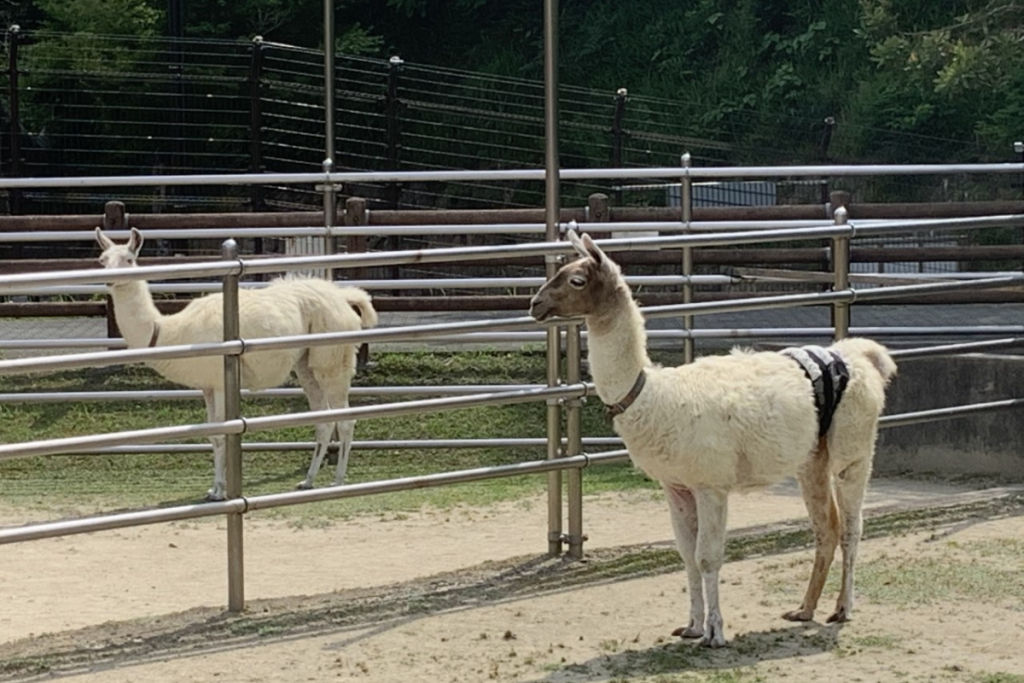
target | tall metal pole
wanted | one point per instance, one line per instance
(552, 208)
(686, 204)
(13, 38)
(841, 273)
(233, 442)
(330, 200)
(574, 443)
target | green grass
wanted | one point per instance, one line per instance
(85, 483)
(976, 574)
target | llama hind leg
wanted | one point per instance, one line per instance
(851, 485)
(816, 486)
(344, 430)
(683, 509)
(712, 511)
(324, 430)
(215, 413)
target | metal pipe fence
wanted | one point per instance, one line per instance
(564, 453)
(376, 177)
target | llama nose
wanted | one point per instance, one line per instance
(536, 309)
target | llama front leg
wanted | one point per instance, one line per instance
(712, 511)
(215, 413)
(851, 485)
(683, 510)
(816, 486)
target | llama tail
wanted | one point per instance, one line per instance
(874, 352)
(361, 301)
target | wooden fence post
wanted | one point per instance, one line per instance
(114, 218)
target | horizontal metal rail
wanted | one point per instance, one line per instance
(365, 445)
(936, 414)
(418, 283)
(462, 254)
(123, 520)
(957, 349)
(616, 174)
(708, 333)
(245, 425)
(420, 332)
(191, 394)
(245, 504)
(503, 282)
(432, 229)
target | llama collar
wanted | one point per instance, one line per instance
(616, 409)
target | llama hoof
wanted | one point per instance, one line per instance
(712, 640)
(303, 486)
(840, 616)
(690, 631)
(213, 497)
(799, 615)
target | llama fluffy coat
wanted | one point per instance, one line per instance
(287, 307)
(747, 419)
(727, 423)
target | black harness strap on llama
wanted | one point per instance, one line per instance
(828, 374)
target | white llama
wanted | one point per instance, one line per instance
(286, 307)
(728, 423)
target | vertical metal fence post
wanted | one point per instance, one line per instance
(330, 200)
(114, 218)
(13, 39)
(392, 127)
(574, 442)
(826, 141)
(841, 274)
(552, 211)
(686, 204)
(233, 442)
(256, 125)
(618, 135)
(330, 207)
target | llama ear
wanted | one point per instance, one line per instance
(102, 239)
(135, 241)
(592, 250)
(575, 241)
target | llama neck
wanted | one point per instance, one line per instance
(617, 343)
(136, 314)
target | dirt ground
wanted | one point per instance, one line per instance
(466, 595)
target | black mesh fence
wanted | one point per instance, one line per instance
(79, 105)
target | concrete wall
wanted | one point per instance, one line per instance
(989, 443)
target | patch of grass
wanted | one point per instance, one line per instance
(87, 483)
(856, 645)
(1000, 678)
(908, 580)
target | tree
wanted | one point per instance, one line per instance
(957, 78)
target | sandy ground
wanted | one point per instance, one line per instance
(465, 595)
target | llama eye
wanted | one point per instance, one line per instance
(577, 282)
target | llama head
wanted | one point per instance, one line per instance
(584, 287)
(119, 255)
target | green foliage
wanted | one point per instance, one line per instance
(110, 17)
(952, 76)
(907, 80)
